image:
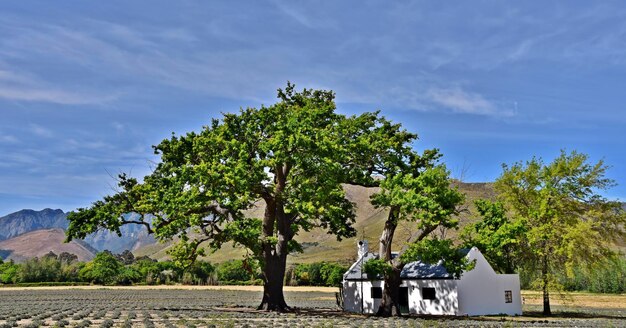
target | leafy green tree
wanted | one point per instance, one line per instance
(497, 237)
(127, 276)
(44, 269)
(148, 269)
(567, 222)
(291, 157)
(70, 271)
(435, 250)
(8, 272)
(319, 274)
(201, 272)
(236, 271)
(419, 191)
(103, 269)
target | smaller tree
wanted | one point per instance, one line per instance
(435, 250)
(103, 269)
(148, 269)
(201, 272)
(44, 269)
(568, 223)
(497, 237)
(239, 271)
(8, 272)
(421, 193)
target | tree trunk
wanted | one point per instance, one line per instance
(544, 282)
(273, 278)
(275, 224)
(389, 305)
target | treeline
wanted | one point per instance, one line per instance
(607, 277)
(124, 269)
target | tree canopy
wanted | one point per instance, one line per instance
(565, 219)
(290, 158)
(496, 235)
(419, 192)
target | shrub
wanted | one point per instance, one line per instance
(237, 271)
(104, 269)
(317, 274)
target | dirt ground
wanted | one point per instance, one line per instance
(612, 301)
(181, 287)
(234, 306)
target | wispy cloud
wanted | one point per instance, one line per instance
(35, 94)
(461, 101)
(293, 13)
(40, 131)
(8, 139)
(25, 87)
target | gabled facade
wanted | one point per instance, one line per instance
(430, 290)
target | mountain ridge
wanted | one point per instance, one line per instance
(23, 222)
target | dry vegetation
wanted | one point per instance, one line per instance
(233, 306)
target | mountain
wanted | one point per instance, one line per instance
(133, 237)
(40, 242)
(25, 221)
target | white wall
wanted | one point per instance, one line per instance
(352, 296)
(481, 291)
(445, 304)
(445, 292)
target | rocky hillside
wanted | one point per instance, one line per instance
(25, 221)
(40, 242)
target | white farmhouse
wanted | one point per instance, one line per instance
(429, 289)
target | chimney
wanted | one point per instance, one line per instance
(363, 248)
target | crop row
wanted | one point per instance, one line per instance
(213, 308)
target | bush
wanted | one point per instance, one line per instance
(8, 272)
(237, 271)
(199, 273)
(104, 269)
(317, 274)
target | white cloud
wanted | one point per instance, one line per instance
(8, 139)
(40, 131)
(461, 101)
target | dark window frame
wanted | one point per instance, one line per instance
(429, 293)
(376, 292)
(508, 296)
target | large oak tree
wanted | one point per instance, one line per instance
(292, 157)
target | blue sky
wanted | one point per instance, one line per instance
(87, 87)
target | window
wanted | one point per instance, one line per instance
(377, 292)
(428, 293)
(508, 296)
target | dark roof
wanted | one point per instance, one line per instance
(422, 270)
(413, 270)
